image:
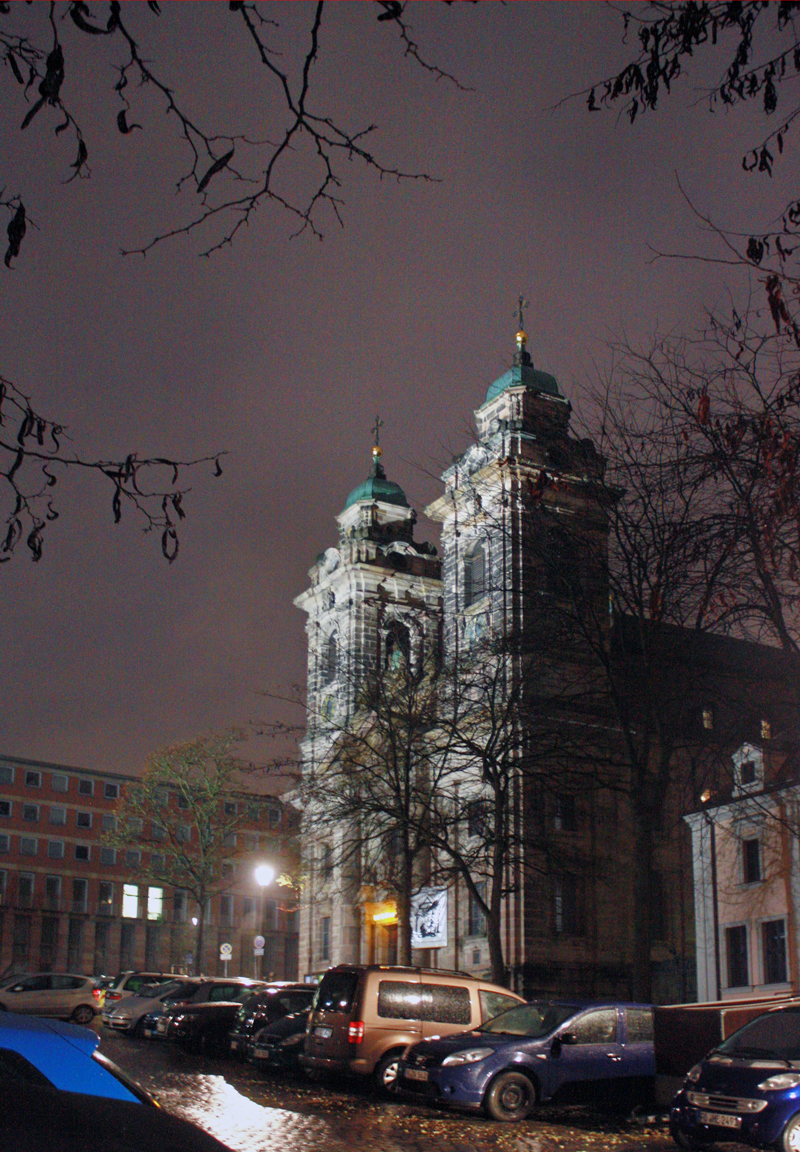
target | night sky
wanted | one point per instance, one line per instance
(281, 351)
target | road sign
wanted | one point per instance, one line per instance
(225, 951)
(259, 942)
(258, 951)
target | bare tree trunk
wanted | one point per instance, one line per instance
(198, 943)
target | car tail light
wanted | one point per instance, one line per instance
(113, 996)
(98, 994)
(355, 1033)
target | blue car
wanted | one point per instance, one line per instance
(747, 1090)
(531, 1052)
(64, 1056)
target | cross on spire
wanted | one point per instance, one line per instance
(376, 430)
(522, 303)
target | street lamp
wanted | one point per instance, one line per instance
(705, 800)
(264, 875)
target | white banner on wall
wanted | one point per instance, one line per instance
(429, 918)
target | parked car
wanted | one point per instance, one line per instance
(747, 1089)
(128, 1015)
(533, 1051)
(192, 1025)
(64, 995)
(271, 1003)
(365, 1016)
(39, 1118)
(63, 1056)
(126, 983)
(278, 1047)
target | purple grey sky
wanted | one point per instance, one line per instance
(282, 350)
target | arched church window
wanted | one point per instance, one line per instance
(330, 659)
(398, 645)
(474, 575)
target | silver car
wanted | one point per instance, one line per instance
(127, 1015)
(64, 995)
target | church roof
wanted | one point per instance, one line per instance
(522, 373)
(377, 487)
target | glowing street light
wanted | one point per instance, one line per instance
(264, 875)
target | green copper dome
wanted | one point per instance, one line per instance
(377, 487)
(522, 374)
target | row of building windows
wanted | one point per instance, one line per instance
(57, 850)
(51, 893)
(31, 813)
(59, 782)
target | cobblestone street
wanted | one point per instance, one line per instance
(252, 1113)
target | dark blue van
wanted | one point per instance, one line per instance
(747, 1090)
(533, 1051)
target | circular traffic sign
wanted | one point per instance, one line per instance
(225, 951)
(259, 942)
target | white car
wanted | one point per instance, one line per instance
(127, 1015)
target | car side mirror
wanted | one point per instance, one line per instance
(568, 1038)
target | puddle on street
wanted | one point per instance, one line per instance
(214, 1104)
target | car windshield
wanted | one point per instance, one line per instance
(775, 1035)
(149, 991)
(533, 1020)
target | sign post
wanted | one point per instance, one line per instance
(258, 950)
(225, 953)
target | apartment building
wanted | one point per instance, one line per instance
(70, 902)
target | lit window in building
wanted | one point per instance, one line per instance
(155, 903)
(708, 718)
(130, 900)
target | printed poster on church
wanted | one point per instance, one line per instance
(429, 918)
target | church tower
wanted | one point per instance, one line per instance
(377, 591)
(524, 519)
(523, 502)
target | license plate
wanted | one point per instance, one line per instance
(720, 1119)
(260, 1054)
(416, 1074)
(323, 1032)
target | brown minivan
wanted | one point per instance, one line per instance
(364, 1015)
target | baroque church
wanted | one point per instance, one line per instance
(379, 594)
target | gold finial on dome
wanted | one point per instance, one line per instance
(521, 339)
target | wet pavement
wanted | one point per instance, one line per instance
(255, 1113)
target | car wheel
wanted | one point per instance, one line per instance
(135, 1030)
(790, 1137)
(510, 1097)
(385, 1074)
(83, 1014)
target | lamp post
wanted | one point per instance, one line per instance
(264, 875)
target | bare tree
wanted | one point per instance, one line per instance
(225, 175)
(373, 792)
